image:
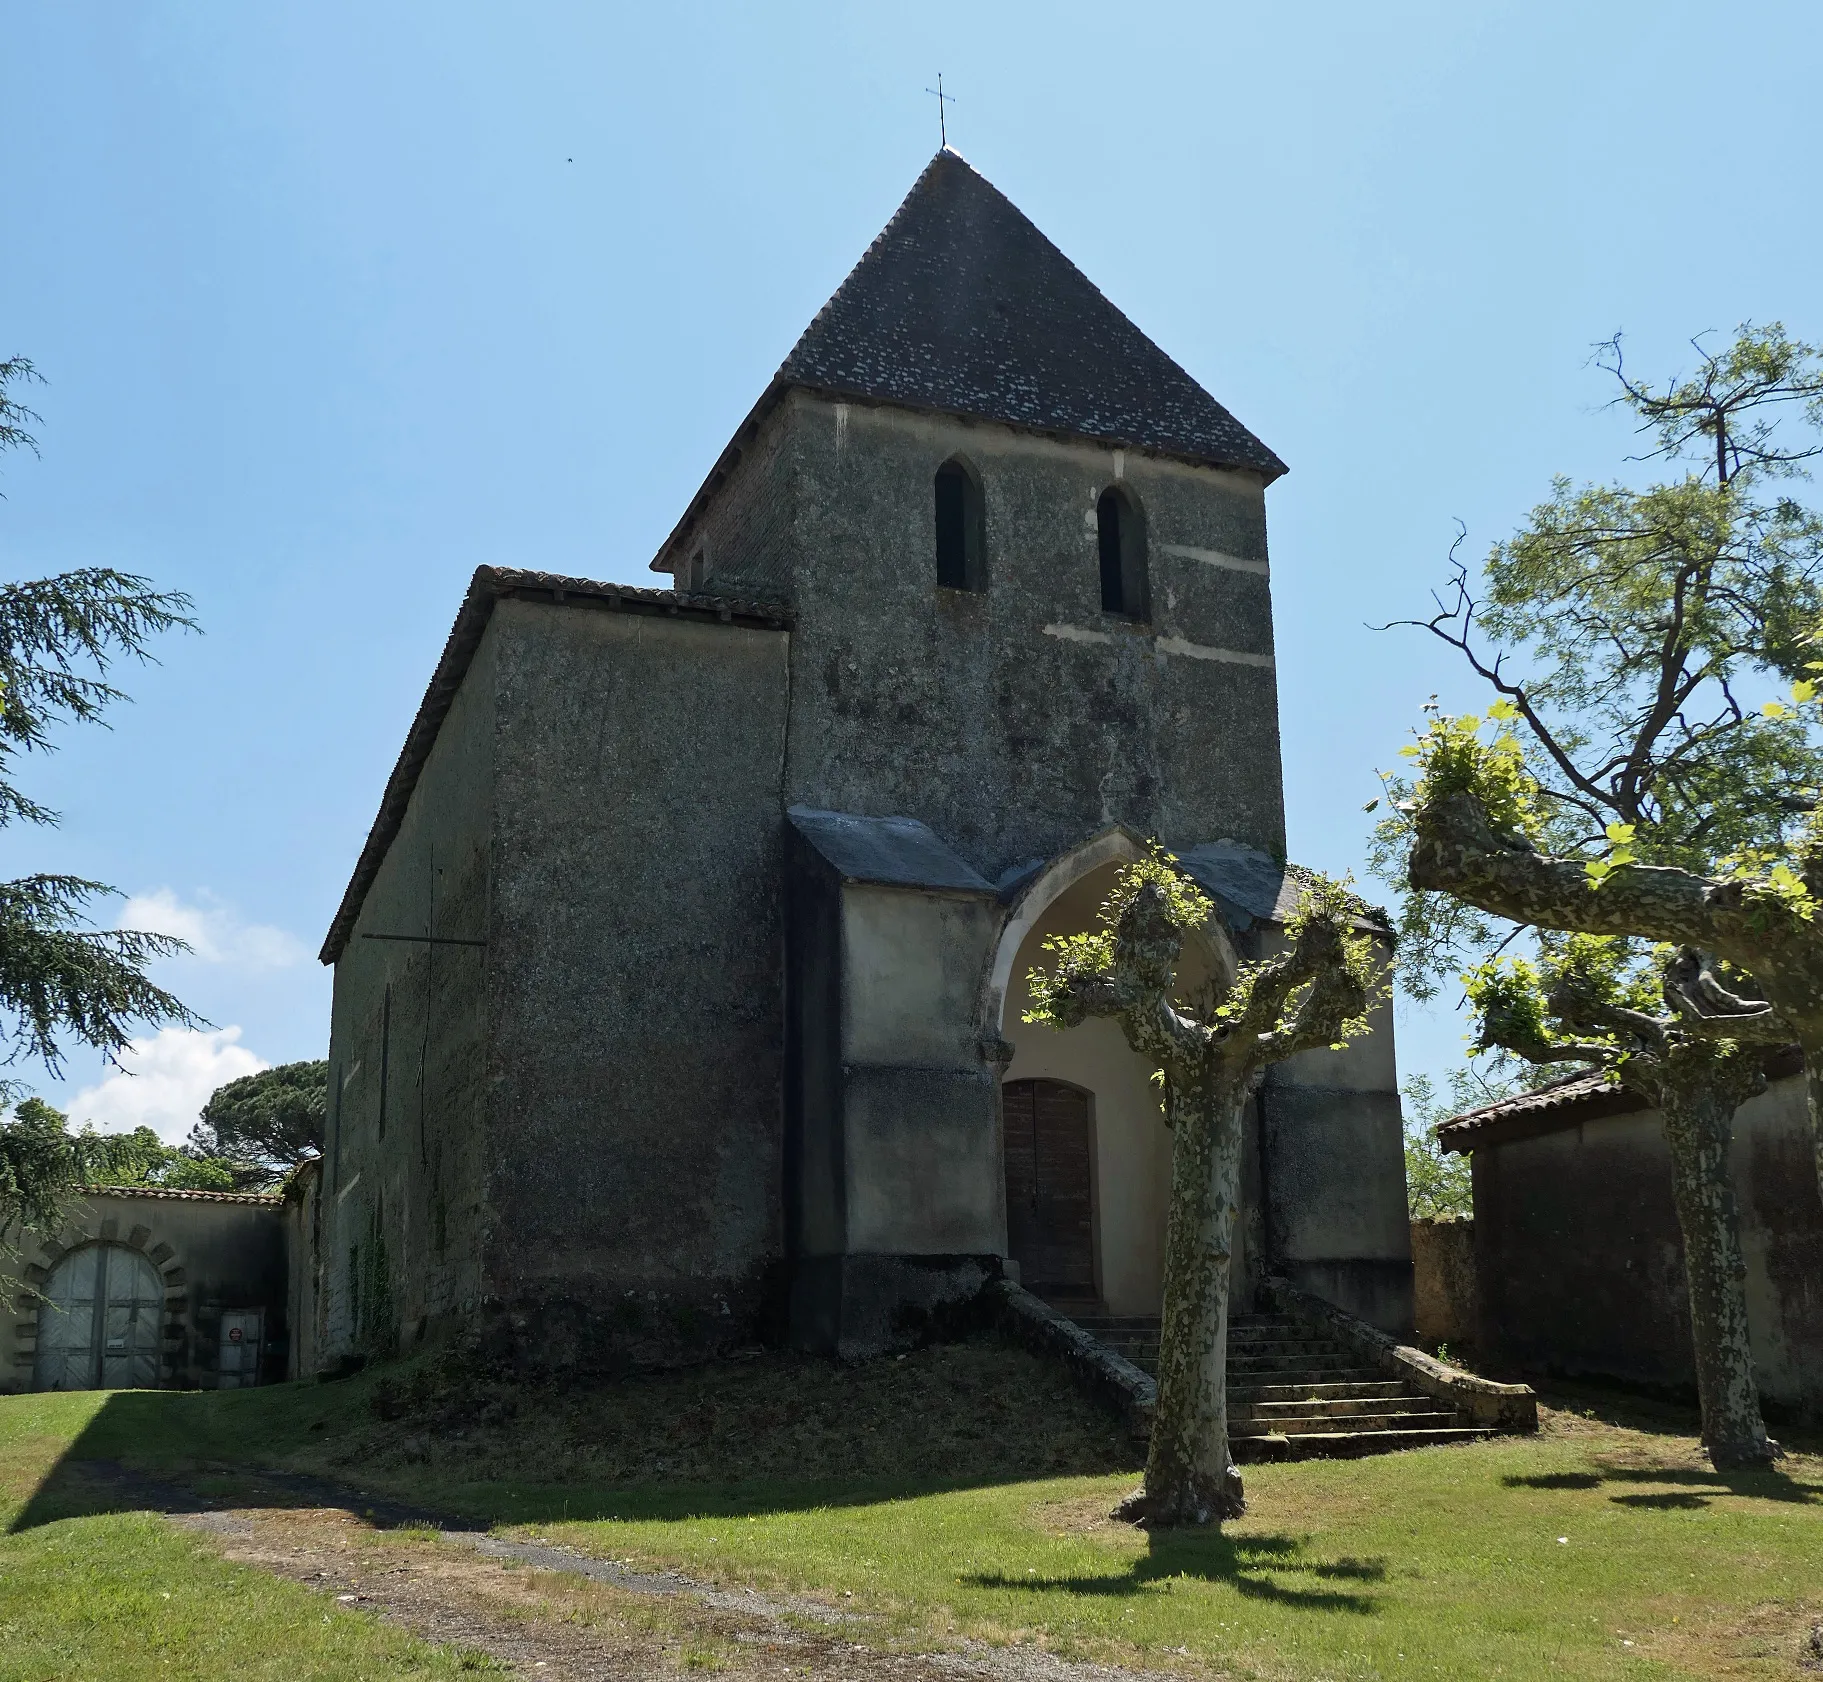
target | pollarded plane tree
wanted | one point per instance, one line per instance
(1630, 787)
(1208, 1055)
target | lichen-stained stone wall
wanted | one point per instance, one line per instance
(1018, 719)
(1445, 1301)
(404, 1215)
(636, 1006)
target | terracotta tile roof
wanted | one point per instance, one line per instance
(1579, 1098)
(1569, 1103)
(260, 1198)
(487, 587)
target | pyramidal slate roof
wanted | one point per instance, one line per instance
(962, 305)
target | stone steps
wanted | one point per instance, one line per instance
(1294, 1393)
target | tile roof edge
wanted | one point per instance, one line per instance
(1570, 1103)
(487, 587)
(186, 1194)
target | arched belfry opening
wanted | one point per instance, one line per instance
(1120, 534)
(961, 528)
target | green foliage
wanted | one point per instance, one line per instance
(1439, 1182)
(268, 1122)
(141, 1158)
(60, 977)
(40, 1166)
(1508, 997)
(1453, 759)
(1091, 954)
(43, 1165)
(1322, 898)
(1563, 1008)
(1729, 408)
(1092, 951)
(15, 417)
(1622, 630)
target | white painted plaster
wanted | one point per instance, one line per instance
(1214, 558)
(1197, 651)
(912, 963)
(1076, 633)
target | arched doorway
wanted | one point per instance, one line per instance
(1050, 1219)
(1128, 1146)
(99, 1321)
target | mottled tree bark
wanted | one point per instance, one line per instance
(1190, 1476)
(1699, 1126)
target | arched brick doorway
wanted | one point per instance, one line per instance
(1050, 1217)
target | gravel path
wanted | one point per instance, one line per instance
(549, 1612)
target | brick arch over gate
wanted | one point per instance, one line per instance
(160, 1225)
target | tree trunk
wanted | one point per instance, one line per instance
(1190, 1476)
(1813, 1087)
(1698, 1126)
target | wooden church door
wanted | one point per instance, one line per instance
(1049, 1222)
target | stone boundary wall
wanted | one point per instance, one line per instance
(1445, 1287)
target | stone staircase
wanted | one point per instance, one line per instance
(1296, 1393)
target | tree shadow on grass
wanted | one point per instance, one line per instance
(136, 1455)
(1694, 1488)
(1242, 1562)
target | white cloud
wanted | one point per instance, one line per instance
(164, 1081)
(215, 933)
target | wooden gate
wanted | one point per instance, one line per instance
(99, 1321)
(1050, 1228)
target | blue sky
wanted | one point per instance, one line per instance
(339, 302)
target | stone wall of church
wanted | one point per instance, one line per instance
(746, 539)
(1016, 720)
(1334, 1148)
(636, 1005)
(403, 1217)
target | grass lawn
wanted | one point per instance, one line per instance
(106, 1595)
(962, 1492)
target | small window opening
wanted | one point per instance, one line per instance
(961, 529)
(1120, 531)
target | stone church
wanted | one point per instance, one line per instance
(678, 987)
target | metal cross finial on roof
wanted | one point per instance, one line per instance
(942, 99)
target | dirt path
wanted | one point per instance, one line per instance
(550, 1613)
